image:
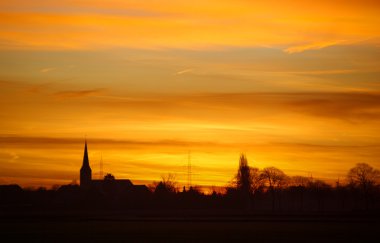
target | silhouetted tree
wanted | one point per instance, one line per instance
(257, 184)
(257, 181)
(166, 185)
(364, 177)
(275, 179)
(243, 184)
(243, 177)
(109, 177)
(299, 181)
(165, 192)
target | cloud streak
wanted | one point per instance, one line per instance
(313, 46)
(78, 93)
(347, 106)
(182, 24)
(41, 142)
(46, 70)
(184, 71)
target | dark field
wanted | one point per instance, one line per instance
(125, 227)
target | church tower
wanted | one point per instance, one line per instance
(85, 171)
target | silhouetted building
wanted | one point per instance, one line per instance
(109, 184)
(85, 171)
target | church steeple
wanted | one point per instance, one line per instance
(85, 171)
(85, 156)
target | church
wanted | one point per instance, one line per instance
(108, 183)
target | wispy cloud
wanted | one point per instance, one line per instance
(48, 69)
(184, 71)
(13, 157)
(181, 24)
(325, 72)
(78, 93)
(43, 142)
(348, 106)
(313, 46)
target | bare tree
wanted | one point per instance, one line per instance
(364, 177)
(299, 181)
(257, 184)
(275, 179)
(257, 181)
(168, 184)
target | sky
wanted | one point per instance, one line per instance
(150, 84)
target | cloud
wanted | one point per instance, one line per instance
(13, 156)
(48, 69)
(78, 93)
(313, 46)
(183, 71)
(183, 24)
(43, 142)
(268, 114)
(345, 106)
(324, 72)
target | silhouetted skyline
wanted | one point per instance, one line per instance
(254, 198)
(251, 191)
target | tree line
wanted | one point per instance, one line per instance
(361, 189)
(251, 190)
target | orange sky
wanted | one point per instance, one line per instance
(293, 84)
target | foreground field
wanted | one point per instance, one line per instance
(118, 227)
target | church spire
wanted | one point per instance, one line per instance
(85, 171)
(85, 156)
